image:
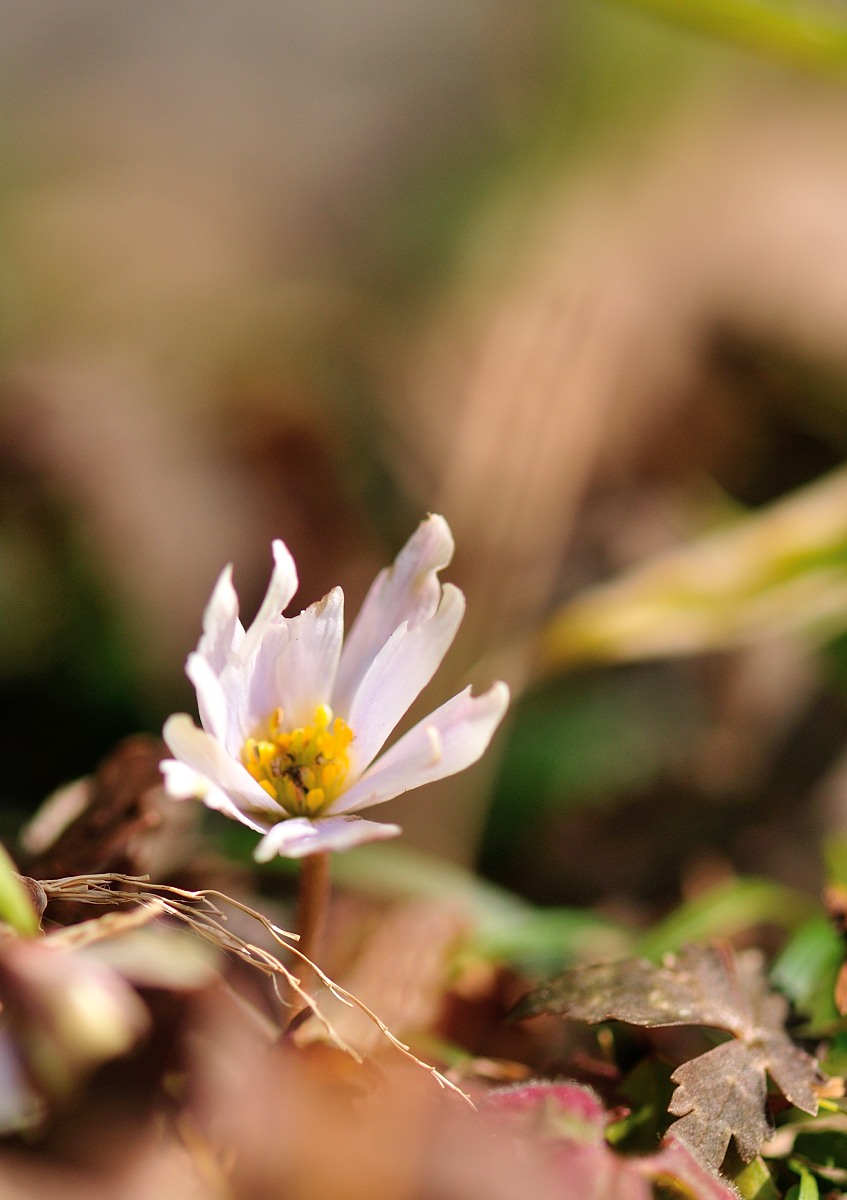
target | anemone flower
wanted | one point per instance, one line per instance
(295, 717)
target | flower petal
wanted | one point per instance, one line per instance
(447, 741)
(184, 783)
(299, 836)
(280, 592)
(406, 591)
(211, 700)
(222, 630)
(305, 651)
(205, 755)
(293, 668)
(397, 676)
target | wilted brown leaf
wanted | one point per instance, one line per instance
(112, 809)
(722, 1093)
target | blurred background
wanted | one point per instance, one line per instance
(573, 275)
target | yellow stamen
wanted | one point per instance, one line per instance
(303, 769)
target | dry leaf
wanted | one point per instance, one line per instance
(722, 1093)
(106, 815)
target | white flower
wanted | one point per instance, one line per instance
(293, 721)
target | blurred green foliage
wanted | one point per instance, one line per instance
(797, 32)
(806, 971)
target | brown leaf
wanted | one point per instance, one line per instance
(116, 807)
(36, 893)
(719, 1094)
(723, 1092)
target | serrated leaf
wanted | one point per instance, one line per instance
(722, 1093)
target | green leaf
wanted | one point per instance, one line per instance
(647, 1089)
(504, 928)
(397, 871)
(754, 1181)
(721, 1094)
(835, 1054)
(589, 736)
(578, 741)
(807, 1188)
(15, 906)
(807, 969)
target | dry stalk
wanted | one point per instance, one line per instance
(200, 912)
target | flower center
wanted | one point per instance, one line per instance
(304, 769)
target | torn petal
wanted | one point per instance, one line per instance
(279, 595)
(222, 630)
(307, 658)
(408, 591)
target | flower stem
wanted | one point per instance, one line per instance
(312, 910)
